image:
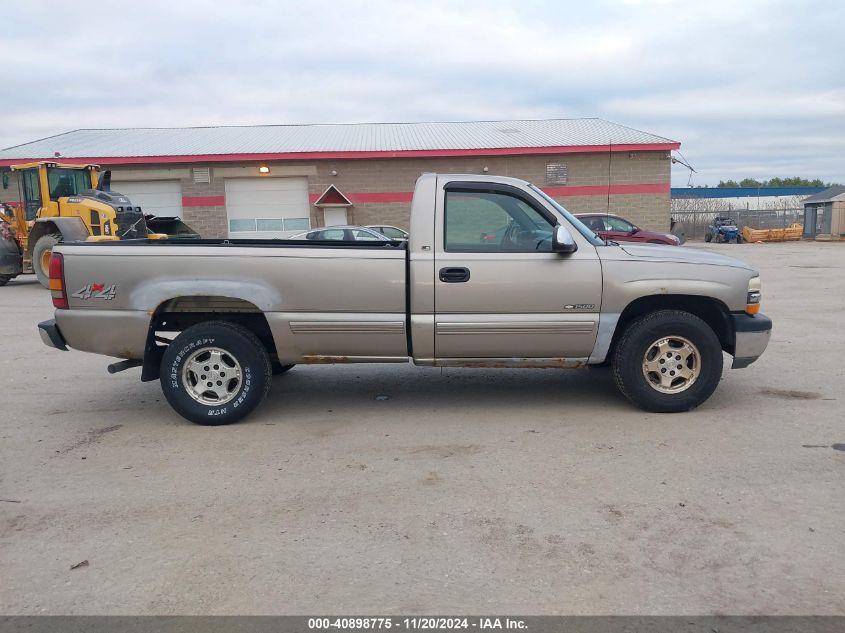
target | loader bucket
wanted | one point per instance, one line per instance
(172, 226)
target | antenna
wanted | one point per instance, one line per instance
(683, 161)
(609, 172)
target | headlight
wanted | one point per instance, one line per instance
(752, 302)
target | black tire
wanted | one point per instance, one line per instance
(44, 243)
(739, 239)
(279, 369)
(239, 348)
(638, 340)
(707, 237)
(4, 279)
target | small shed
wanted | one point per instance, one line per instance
(824, 214)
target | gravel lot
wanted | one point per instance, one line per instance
(471, 491)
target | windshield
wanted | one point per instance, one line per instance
(579, 226)
(67, 182)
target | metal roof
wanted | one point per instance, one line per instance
(336, 140)
(831, 194)
(741, 192)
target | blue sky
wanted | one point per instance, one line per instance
(750, 88)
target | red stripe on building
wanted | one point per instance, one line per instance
(411, 153)
(203, 201)
(591, 190)
(381, 197)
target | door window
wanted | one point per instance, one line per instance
(618, 224)
(484, 221)
(31, 192)
(361, 235)
(593, 223)
(392, 233)
(332, 234)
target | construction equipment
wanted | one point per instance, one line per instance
(792, 233)
(70, 203)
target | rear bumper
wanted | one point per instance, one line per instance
(51, 336)
(752, 338)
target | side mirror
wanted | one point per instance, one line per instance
(562, 241)
(633, 230)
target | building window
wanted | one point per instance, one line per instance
(242, 225)
(269, 224)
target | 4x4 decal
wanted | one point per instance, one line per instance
(97, 291)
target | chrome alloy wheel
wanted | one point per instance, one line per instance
(211, 376)
(671, 364)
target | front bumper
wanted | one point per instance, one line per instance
(752, 336)
(51, 336)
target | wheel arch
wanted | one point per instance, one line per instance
(176, 314)
(710, 310)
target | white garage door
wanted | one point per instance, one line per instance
(266, 208)
(158, 197)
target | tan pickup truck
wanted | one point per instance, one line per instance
(495, 274)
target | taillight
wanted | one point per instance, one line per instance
(57, 281)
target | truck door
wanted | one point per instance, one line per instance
(500, 292)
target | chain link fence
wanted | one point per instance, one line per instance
(693, 221)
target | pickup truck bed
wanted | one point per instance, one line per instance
(495, 274)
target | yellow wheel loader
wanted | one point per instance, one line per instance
(70, 203)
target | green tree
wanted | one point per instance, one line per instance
(795, 181)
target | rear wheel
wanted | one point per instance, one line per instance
(4, 279)
(41, 257)
(667, 361)
(707, 237)
(215, 373)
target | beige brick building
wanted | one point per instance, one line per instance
(267, 181)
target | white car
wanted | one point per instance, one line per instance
(393, 232)
(343, 233)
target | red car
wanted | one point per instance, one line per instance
(612, 227)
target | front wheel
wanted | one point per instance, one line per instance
(215, 373)
(41, 257)
(667, 362)
(707, 237)
(4, 279)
